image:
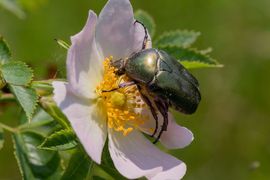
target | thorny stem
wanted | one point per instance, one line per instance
(7, 128)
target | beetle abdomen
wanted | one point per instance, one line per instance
(174, 83)
(182, 95)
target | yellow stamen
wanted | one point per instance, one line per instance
(120, 103)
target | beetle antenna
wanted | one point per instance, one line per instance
(146, 34)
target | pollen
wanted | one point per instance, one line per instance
(120, 104)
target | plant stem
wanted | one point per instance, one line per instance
(7, 128)
(90, 171)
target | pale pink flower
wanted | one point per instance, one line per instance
(93, 115)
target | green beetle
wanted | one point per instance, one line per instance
(162, 81)
(165, 77)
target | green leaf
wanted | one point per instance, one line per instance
(27, 98)
(78, 167)
(107, 163)
(197, 64)
(61, 140)
(33, 162)
(1, 138)
(147, 20)
(177, 38)
(2, 81)
(5, 54)
(14, 7)
(17, 73)
(191, 57)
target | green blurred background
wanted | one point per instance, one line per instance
(232, 124)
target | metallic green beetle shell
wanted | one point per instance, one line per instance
(176, 84)
(165, 77)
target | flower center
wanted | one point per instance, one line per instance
(121, 104)
(118, 99)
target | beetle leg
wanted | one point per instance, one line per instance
(152, 109)
(146, 34)
(163, 109)
(154, 114)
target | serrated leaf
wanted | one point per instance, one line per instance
(147, 20)
(14, 7)
(197, 64)
(61, 140)
(191, 55)
(5, 54)
(27, 98)
(33, 162)
(17, 73)
(177, 38)
(206, 51)
(78, 166)
(1, 138)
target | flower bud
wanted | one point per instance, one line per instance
(43, 88)
(47, 103)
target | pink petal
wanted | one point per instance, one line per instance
(174, 173)
(175, 137)
(134, 156)
(116, 33)
(85, 117)
(84, 63)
